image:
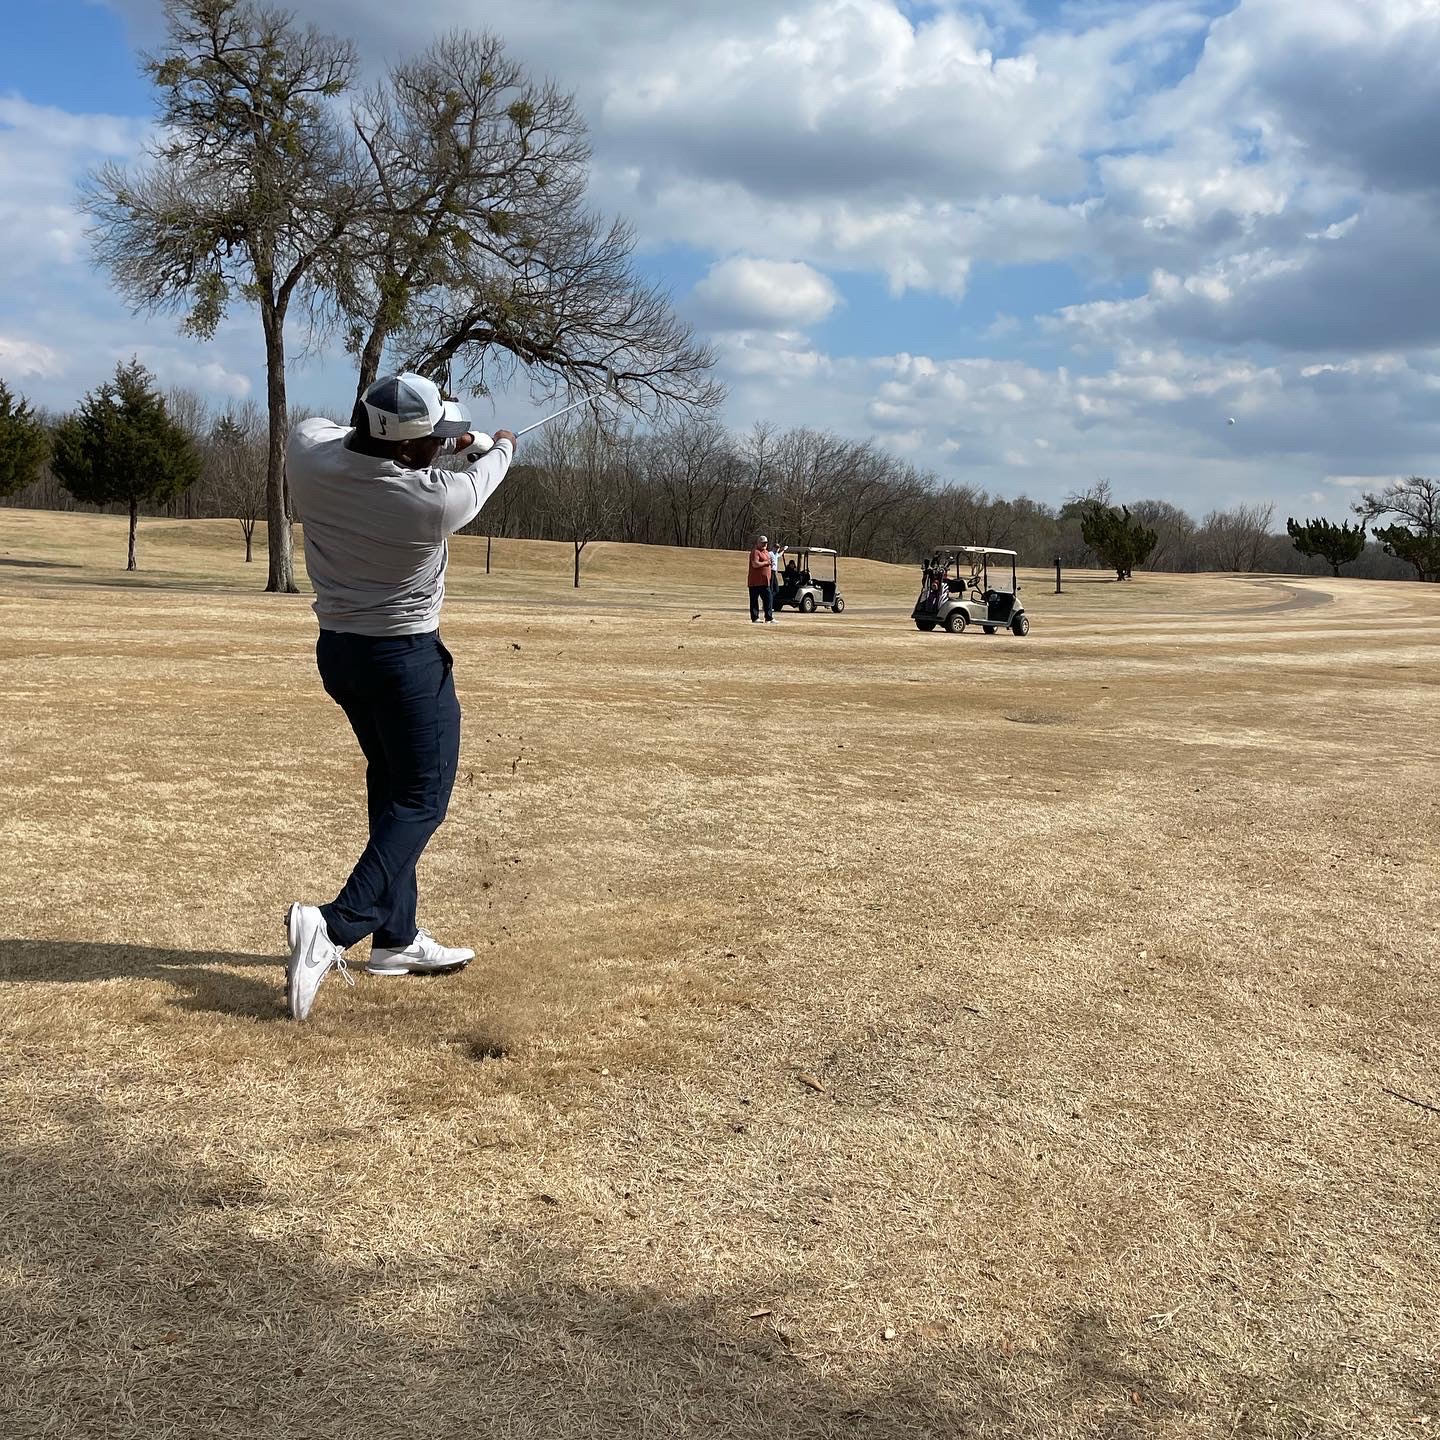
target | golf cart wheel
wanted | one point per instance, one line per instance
(924, 624)
(1021, 624)
(838, 605)
(988, 629)
(956, 621)
(807, 603)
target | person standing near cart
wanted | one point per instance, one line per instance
(761, 572)
(378, 515)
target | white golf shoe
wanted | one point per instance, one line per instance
(313, 954)
(424, 955)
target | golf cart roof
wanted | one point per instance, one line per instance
(978, 550)
(811, 550)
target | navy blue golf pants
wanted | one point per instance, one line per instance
(398, 693)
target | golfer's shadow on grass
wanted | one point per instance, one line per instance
(202, 979)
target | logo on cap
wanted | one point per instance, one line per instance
(409, 407)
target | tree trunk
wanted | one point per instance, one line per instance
(134, 512)
(370, 358)
(249, 539)
(279, 541)
(579, 546)
(487, 554)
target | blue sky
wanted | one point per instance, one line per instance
(74, 54)
(1024, 244)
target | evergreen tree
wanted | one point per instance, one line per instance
(1120, 540)
(1336, 544)
(23, 443)
(1417, 549)
(122, 446)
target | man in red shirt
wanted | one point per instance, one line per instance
(761, 568)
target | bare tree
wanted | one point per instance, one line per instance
(478, 256)
(759, 459)
(875, 487)
(191, 412)
(808, 469)
(1415, 539)
(465, 154)
(1174, 533)
(1236, 539)
(1416, 501)
(689, 465)
(245, 191)
(574, 466)
(235, 456)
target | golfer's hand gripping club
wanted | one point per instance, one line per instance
(478, 443)
(481, 443)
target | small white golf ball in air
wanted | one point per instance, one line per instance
(1230, 421)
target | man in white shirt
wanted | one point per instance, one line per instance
(776, 551)
(377, 516)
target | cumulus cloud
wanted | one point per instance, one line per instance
(1371, 283)
(844, 132)
(1347, 84)
(21, 357)
(1248, 188)
(1288, 186)
(749, 294)
(173, 365)
(44, 152)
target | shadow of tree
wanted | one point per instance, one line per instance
(205, 979)
(152, 1295)
(156, 579)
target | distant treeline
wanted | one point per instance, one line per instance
(700, 484)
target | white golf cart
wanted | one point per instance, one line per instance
(955, 592)
(798, 587)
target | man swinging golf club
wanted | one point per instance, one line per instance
(377, 517)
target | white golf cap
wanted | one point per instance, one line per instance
(409, 407)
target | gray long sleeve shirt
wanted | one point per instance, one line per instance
(375, 533)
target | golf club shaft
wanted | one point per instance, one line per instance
(546, 419)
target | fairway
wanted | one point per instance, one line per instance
(872, 1033)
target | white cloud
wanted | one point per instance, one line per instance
(27, 357)
(748, 294)
(44, 152)
(782, 361)
(1362, 482)
(1258, 234)
(174, 366)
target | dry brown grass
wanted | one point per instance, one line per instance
(1105, 946)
